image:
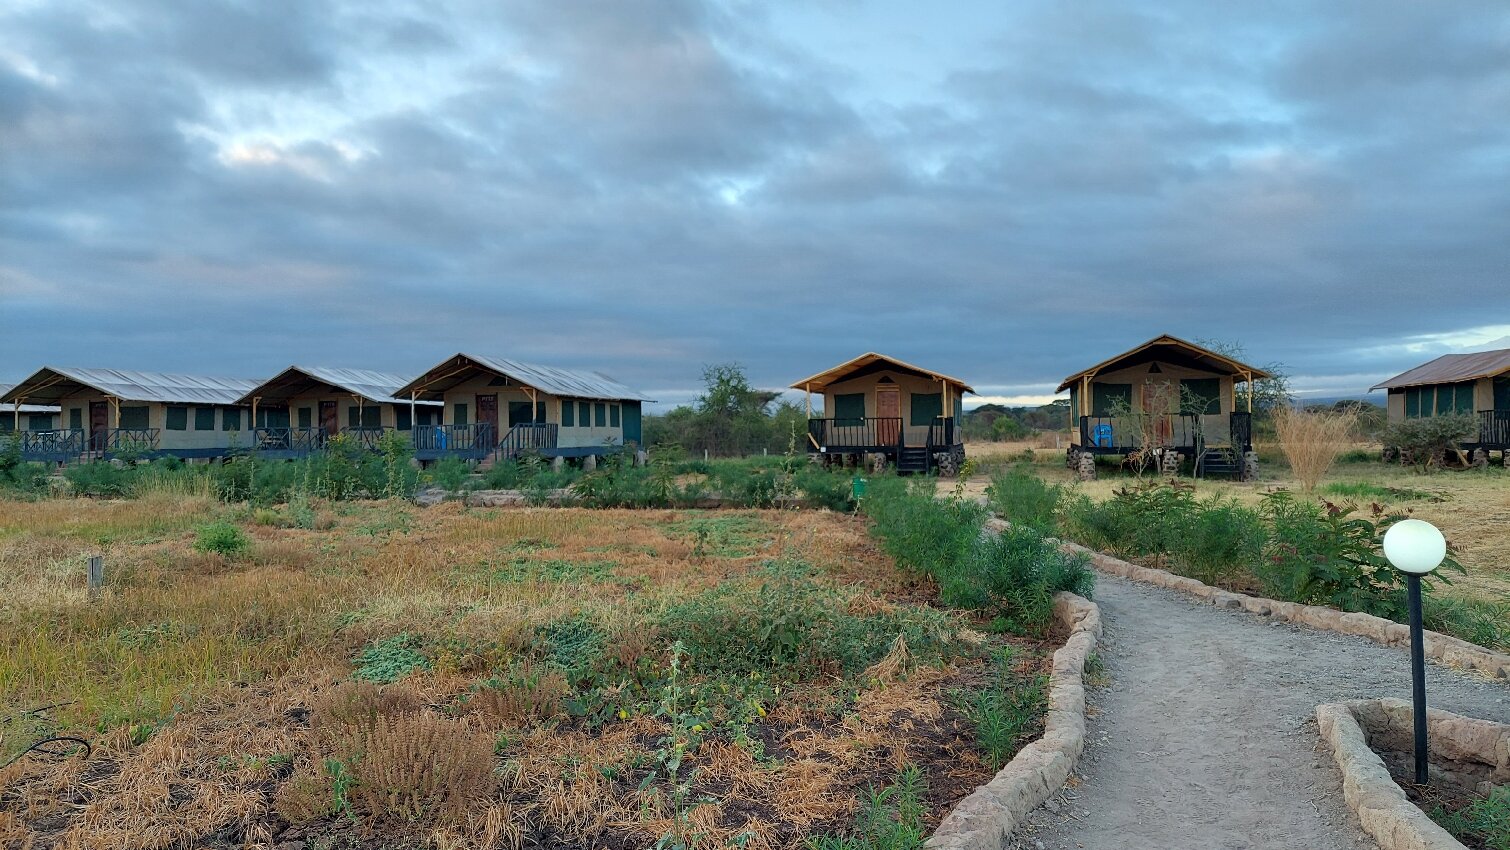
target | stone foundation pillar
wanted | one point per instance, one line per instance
(1169, 462)
(1480, 459)
(589, 463)
(1087, 466)
(641, 457)
(878, 463)
(558, 463)
(1250, 466)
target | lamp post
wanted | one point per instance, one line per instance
(1416, 547)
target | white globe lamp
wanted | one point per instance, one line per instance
(1414, 546)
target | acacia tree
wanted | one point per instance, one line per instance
(1270, 395)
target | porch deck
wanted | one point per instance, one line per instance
(1184, 432)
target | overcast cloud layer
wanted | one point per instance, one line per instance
(1005, 192)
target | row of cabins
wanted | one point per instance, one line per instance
(467, 406)
(1167, 400)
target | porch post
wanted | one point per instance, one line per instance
(255, 400)
(115, 408)
(16, 412)
(809, 388)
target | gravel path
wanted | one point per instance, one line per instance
(1205, 736)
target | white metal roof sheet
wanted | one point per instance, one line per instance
(371, 385)
(143, 386)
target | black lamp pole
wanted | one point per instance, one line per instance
(1417, 673)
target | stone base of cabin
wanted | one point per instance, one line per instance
(1085, 465)
(1250, 466)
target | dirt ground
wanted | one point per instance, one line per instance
(1471, 507)
(1205, 735)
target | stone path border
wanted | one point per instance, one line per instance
(1381, 805)
(983, 820)
(1439, 647)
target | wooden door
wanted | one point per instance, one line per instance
(330, 418)
(888, 416)
(1161, 398)
(487, 413)
(99, 424)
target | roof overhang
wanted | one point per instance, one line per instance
(563, 383)
(871, 362)
(297, 381)
(1172, 350)
(1450, 369)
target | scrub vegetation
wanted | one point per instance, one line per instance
(370, 674)
(1268, 541)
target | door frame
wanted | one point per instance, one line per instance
(97, 436)
(889, 433)
(332, 422)
(479, 417)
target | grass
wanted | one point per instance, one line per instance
(463, 677)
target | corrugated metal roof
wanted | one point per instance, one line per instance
(370, 385)
(837, 373)
(572, 383)
(1450, 368)
(576, 383)
(25, 408)
(137, 386)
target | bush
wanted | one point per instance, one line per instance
(1025, 499)
(1427, 441)
(1011, 577)
(1220, 541)
(1325, 555)
(1313, 440)
(103, 479)
(451, 473)
(222, 538)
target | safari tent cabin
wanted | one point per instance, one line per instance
(26, 417)
(301, 408)
(1476, 384)
(500, 408)
(1166, 399)
(108, 413)
(883, 410)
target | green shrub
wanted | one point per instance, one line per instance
(221, 537)
(390, 659)
(1025, 499)
(1326, 555)
(452, 473)
(17, 477)
(1479, 621)
(1426, 441)
(922, 533)
(1219, 542)
(104, 479)
(1005, 714)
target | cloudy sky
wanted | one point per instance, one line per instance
(1003, 191)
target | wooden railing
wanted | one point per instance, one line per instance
(941, 432)
(57, 444)
(1494, 428)
(856, 434)
(527, 437)
(436, 440)
(297, 440)
(1196, 430)
(125, 440)
(365, 437)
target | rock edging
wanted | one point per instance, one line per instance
(1446, 649)
(1369, 790)
(983, 820)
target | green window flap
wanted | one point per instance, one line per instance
(178, 419)
(1107, 397)
(926, 407)
(1201, 395)
(204, 419)
(849, 409)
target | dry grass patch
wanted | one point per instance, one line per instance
(468, 678)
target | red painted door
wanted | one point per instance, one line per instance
(99, 424)
(487, 413)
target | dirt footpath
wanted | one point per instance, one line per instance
(1206, 739)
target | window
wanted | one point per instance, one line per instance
(1413, 402)
(599, 415)
(135, 417)
(178, 419)
(849, 409)
(522, 412)
(204, 419)
(1464, 398)
(926, 407)
(306, 417)
(40, 422)
(230, 419)
(272, 417)
(584, 413)
(568, 414)
(1108, 397)
(1502, 393)
(364, 417)
(427, 415)
(1201, 395)
(76, 418)
(459, 413)
(402, 421)
(613, 416)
